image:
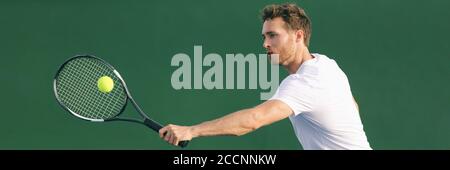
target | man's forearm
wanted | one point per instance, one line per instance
(236, 124)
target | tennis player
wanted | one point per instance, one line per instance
(316, 96)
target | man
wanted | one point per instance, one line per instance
(316, 96)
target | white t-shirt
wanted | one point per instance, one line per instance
(325, 115)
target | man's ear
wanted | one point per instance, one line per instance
(299, 35)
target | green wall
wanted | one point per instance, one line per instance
(395, 53)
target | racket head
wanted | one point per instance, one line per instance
(75, 88)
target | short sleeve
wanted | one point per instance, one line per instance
(296, 93)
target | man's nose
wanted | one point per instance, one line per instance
(266, 44)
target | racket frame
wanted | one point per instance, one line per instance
(145, 121)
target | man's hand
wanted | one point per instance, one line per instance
(174, 133)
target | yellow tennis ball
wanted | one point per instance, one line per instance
(105, 84)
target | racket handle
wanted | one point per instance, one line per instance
(153, 125)
(183, 143)
(156, 126)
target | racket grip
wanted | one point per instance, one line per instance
(156, 127)
(183, 143)
(153, 125)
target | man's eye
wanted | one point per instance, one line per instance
(272, 35)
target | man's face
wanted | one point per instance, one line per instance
(278, 40)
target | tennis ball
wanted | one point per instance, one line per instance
(105, 84)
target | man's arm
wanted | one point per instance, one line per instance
(236, 124)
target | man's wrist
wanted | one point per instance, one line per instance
(194, 131)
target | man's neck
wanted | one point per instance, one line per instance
(299, 59)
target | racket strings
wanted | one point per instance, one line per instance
(77, 89)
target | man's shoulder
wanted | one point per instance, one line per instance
(321, 64)
(321, 59)
(297, 80)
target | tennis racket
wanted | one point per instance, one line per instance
(75, 88)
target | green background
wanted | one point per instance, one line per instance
(395, 53)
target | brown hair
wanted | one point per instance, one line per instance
(294, 16)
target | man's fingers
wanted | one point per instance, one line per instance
(176, 141)
(167, 136)
(162, 131)
(172, 139)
